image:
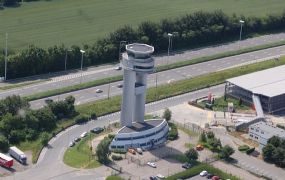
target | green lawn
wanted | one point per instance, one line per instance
(80, 155)
(47, 23)
(220, 104)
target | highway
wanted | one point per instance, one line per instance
(72, 77)
(50, 165)
(89, 95)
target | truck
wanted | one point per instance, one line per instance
(6, 161)
(18, 154)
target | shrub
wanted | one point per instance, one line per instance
(249, 151)
(243, 148)
(116, 157)
(173, 133)
(4, 145)
(81, 119)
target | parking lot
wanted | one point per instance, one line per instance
(17, 167)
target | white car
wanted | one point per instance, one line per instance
(160, 176)
(118, 68)
(71, 144)
(98, 91)
(151, 164)
(203, 173)
(83, 135)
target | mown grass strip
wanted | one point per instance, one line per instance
(160, 68)
(80, 156)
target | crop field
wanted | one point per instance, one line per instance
(46, 23)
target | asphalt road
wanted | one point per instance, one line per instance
(50, 165)
(89, 95)
(63, 79)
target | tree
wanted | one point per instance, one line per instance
(4, 145)
(215, 143)
(203, 137)
(274, 140)
(103, 151)
(192, 154)
(278, 156)
(44, 138)
(226, 152)
(167, 114)
(210, 135)
(47, 120)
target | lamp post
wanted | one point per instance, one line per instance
(169, 43)
(6, 58)
(82, 52)
(241, 24)
(65, 60)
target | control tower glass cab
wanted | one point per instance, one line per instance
(137, 63)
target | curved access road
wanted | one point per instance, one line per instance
(50, 165)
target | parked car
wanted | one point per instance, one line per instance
(118, 68)
(151, 164)
(160, 176)
(186, 165)
(199, 147)
(215, 178)
(77, 139)
(209, 176)
(132, 151)
(119, 85)
(84, 134)
(97, 130)
(139, 150)
(71, 144)
(203, 173)
(153, 178)
(98, 91)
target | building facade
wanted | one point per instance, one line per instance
(262, 132)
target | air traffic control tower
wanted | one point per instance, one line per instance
(137, 63)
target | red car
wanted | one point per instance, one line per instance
(215, 178)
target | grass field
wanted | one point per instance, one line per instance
(80, 156)
(47, 23)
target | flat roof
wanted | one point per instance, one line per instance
(140, 48)
(269, 129)
(269, 82)
(138, 127)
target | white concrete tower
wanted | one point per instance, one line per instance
(137, 63)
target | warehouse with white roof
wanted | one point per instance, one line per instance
(263, 88)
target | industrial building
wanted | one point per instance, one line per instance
(262, 132)
(137, 63)
(265, 89)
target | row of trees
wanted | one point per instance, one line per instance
(215, 145)
(19, 123)
(190, 30)
(274, 151)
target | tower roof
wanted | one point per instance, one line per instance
(140, 49)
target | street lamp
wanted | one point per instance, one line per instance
(65, 61)
(120, 46)
(6, 58)
(82, 52)
(241, 24)
(169, 42)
